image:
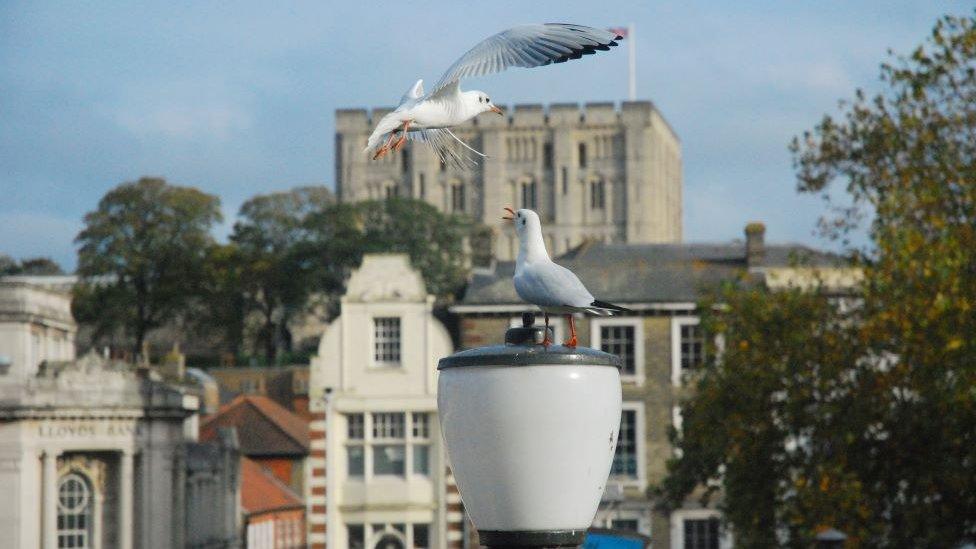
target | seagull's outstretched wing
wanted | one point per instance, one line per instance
(527, 46)
(415, 92)
(448, 147)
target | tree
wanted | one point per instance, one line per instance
(29, 266)
(433, 240)
(860, 418)
(268, 230)
(142, 256)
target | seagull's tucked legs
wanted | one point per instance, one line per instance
(571, 342)
(403, 136)
(385, 148)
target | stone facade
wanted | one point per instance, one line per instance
(600, 173)
(93, 452)
(377, 472)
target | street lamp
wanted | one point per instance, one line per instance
(530, 433)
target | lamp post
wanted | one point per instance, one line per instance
(530, 433)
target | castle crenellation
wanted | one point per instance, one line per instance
(518, 115)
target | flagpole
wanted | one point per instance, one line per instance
(632, 61)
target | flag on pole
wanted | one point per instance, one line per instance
(621, 32)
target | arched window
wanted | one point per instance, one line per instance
(75, 511)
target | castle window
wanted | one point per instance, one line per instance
(405, 161)
(74, 512)
(597, 195)
(423, 186)
(582, 155)
(457, 197)
(547, 155)
(391, 191)
(565, 178)
(529, 195)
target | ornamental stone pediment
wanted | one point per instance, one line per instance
(385, 277)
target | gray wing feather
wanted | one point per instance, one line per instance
(552, 285)
(528, 46)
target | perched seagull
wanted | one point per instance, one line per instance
(553, 288)
(429, 117)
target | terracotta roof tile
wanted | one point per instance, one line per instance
(262, 492)
(264, 427)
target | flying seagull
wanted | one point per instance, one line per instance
(429, 117)
(553, 288)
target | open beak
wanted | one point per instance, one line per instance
(496, 110)
(510, 217)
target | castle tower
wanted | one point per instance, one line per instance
(600, 173)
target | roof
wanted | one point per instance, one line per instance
(261, 492)
(264, 427)
(645, 273)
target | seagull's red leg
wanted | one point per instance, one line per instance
(385, 148)
(571, 342)
(545, 340)
(403, 136)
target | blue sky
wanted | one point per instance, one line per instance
(238, 98)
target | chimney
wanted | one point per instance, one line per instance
(755, 244)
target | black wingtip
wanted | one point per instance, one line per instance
(610, 306)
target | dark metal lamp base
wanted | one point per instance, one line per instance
(548, 538)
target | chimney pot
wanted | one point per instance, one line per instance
(755, 244)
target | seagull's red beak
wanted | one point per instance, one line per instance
(510, 217)
(496, 110)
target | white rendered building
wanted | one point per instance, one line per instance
(377, 471)
(92, 453)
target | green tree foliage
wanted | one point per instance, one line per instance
(859, 417)
(29, 266)
(270, 279)
(142, 256)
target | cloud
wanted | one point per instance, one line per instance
(185, 121)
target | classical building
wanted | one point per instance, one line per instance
(598, 173)
(378, 472)
(91, 452)
(96, 453)
(661, 346)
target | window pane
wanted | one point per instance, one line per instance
(386, 340)
(389, 425)
(421, 536)
(355, 422)
(619, 340)
(357, 536)
(421, 460)
(421, 425)
(355, 462)
(692, 347)
(388, 459)
(625, 457)
(701, 533)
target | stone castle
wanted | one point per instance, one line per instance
(597, 173)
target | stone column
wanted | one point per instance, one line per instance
(50, 500)
(126, 486)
